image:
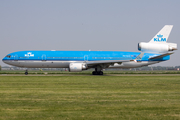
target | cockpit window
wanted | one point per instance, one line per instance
(8, 56)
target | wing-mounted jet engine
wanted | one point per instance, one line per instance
(158, 43)
(77, 67)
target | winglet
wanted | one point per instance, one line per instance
(139, 57)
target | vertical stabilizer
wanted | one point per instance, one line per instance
(162, 35)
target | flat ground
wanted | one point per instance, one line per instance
(90, 97)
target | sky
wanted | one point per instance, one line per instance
(106, 25)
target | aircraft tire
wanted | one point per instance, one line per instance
(26, 73)
(100, 73)
(93, 72)
(97, 73)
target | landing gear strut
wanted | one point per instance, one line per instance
(26, 72)
(97, 72)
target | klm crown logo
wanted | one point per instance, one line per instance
(29, 54)
(160, 38)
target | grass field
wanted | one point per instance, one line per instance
(88, 72)
(90, 97)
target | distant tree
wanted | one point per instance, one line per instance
(0, 67)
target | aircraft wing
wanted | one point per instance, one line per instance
(139, 57)
(160, 56)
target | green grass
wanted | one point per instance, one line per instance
(88, 72)
(90, 97)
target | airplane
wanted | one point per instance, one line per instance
(155, 51)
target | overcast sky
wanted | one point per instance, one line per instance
(107, 25)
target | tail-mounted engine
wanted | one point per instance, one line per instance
(156, 47)
(77, 67)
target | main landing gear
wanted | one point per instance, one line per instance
(26, 72)
(97, 72)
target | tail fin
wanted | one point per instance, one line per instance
(162, 35)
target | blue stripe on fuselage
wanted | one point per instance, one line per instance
(78, 55)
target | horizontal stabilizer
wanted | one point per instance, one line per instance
(160, 56)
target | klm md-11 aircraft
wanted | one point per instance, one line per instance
(155, 51)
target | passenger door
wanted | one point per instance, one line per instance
(44, 57)
(16, 58)
(85, 57)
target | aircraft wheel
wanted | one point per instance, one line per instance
(26, 73)
(100, 73)
(95, 73)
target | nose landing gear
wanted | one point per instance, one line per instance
(26, 72)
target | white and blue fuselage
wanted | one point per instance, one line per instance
(62, 59)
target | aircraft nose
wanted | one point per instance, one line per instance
(4, 60)
(8, 59)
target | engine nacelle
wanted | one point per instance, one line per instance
(77, 67)
(156, 47)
